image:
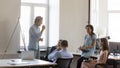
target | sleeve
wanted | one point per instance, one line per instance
(58, 55)
(54, 55)
(52, 49)
(93, 37)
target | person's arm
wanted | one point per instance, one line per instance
(81, 48)
(43, 28)
(53, 56)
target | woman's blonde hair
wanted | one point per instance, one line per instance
(38, 18)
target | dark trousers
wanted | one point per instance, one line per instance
(80, 60)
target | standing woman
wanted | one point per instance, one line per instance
(88, 46)
(35, 36)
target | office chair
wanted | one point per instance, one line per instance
(63, 62)
(47, 53)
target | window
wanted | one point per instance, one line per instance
(113, 4)
(106, 18)
(94, 19)
(29, 10)
(113, 20)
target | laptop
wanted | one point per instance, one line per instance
(27, 55)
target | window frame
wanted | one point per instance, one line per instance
(109, 12)
(104, 8)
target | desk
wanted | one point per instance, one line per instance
(77, 53)
(111, 57)
(5, 63)
(115, 59)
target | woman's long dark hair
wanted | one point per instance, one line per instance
(91, 27)
(105, 44)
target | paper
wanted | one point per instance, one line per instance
(17, 63)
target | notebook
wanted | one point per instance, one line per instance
(27, 55)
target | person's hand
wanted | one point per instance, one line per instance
(41, 39)
(43, 27)
(84, 47)
(58, 48)
(80, 48)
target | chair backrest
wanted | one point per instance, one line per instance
(47, 53)
(48, 50)
(63, 62)
(52, 49)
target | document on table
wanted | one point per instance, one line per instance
(14, 62)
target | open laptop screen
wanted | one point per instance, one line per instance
(27, 55)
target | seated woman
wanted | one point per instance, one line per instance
(104, 50)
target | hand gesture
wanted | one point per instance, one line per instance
(82, 48)
(41, 39)
(58, 48)
(43, 27)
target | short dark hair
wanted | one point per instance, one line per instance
(64, 43)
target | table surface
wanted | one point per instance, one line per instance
(111, 56)
(24, 63)
(114, 57)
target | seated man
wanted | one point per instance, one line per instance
(63, 53)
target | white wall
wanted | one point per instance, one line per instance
(103, 17)
(73, 18)
(99, 17)
(9, 13)
(54, 22)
